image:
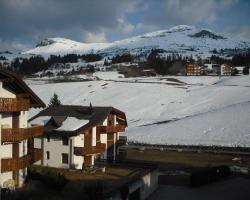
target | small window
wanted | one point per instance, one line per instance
(48, 138)
(47, 155)
(65, 141)
(65, 158)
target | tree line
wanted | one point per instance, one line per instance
(34, 64)
(171, 64)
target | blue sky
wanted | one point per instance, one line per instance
(25, 22)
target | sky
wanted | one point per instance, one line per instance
(23, 23)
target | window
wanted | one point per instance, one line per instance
(48, 138)
(65, 141)
(65, 158)
(47, 155)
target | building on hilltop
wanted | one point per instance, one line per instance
(74, 136)
(17, 151)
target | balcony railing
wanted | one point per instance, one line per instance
(14, 164)
(80, 151)
(19, 134)
(115, 128)
(112, 128)
(13, 105)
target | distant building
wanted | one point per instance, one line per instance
(213, 68)
(194, 70)
(226, 70)
(239, 69)
(75, 136)
(17, 150)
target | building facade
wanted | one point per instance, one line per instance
(194, 70)
(226, 70)
(17, 151)
(75, 136)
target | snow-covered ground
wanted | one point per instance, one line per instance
(194, 111)
(112, 75)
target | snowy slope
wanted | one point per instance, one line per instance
(203, 111)
(180, 39)
(64, 46)
(222, 127)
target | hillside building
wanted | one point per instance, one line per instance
(17, 151)
(226, 70)
(194, 70)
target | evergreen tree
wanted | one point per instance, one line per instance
(246, 71)
(54, 101)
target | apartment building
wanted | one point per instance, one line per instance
(75, 136)
(17, 151)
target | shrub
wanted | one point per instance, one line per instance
(49, 178)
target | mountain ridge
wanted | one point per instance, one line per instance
(180, 39)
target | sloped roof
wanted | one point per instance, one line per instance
(14, 83)
(95, 115)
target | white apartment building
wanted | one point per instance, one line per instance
(16, 137)
(74, 136)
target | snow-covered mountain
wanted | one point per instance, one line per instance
(180, 39)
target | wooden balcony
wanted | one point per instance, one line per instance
(112, 128)
(13, 105)
(19, 134)
(115, 128)
(80, 151)
(14, 164)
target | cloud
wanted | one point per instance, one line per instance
(90, 37)
(12, 46)
(124, 27)
(227, 3)
(243, 33)
(29, 20)
(190, 12)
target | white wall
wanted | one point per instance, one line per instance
(5, 122)
(38, 145)
(149, 184)
(103, 138)
(5, 93)
(94, 136)
(23, 119)
(77, 141)
(23, 148)
(22, 176)
(56, 149)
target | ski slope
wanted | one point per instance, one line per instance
(195, 111)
